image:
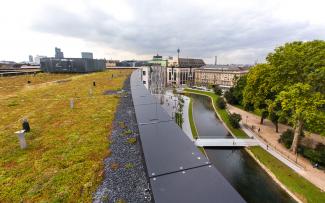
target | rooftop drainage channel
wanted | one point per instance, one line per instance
(177, 170)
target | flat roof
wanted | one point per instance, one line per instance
(177, 170)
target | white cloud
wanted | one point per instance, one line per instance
(238, 31)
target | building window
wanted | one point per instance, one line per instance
(170, 76)
(143, 73)
(144, 82)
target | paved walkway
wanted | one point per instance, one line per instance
(267, 135)
(186, 125)
(170, 103)
(274, 153)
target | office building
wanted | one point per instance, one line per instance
(30, 59)
(153, 78)
(37, 59)
(72, 65)
(183, 72)
(58, 53)
(223, 75)
(111, 63)
(86, 55)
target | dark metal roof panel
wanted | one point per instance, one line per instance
(151, 113)
(178, 172)
(144, 99)
(204, 184)
(167, 149)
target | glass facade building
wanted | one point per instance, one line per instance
(72, 65)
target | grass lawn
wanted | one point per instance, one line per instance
(221, 112)
(302, 188)
(66, 147)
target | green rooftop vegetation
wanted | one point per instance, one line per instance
(66, 146)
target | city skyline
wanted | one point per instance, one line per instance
(234, 31)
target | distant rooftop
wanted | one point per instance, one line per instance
(190, 63)
(157, 57)
(230, 67)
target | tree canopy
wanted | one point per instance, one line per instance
(303, 107)
(235, 94)
(290, 85)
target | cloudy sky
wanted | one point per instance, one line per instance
(237, 31)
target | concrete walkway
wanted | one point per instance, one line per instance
(170, 104)
(186, 125)
(273, 152)
(268, 137)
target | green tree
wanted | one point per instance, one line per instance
(286, 138)
(235, 94)
(292, 63)
(234, 120)
(230, 97)
(258, 89)
(221, 103)
(298, 62)
(217, 90)
(275, 120)
(303, 106)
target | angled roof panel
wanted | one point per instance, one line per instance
(167, 149)
(204, 184)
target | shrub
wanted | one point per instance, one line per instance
(234, 119)
(316, 155)
(129, 166)
(217, 90)
(132, 140)
(122, 124)
(127, 132)
(286, 138)
(179, 119)
(230, 98)
(221, 103)
(174, 91)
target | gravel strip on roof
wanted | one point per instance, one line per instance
(125, 178)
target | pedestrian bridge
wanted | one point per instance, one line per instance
(217, 142)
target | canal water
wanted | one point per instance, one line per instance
(236, 165)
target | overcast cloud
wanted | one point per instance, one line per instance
(238, 31)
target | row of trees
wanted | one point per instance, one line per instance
(288, 88)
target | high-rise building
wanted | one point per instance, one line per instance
(58, 53)
(86, 55)
(30, 57)
(37, 59)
